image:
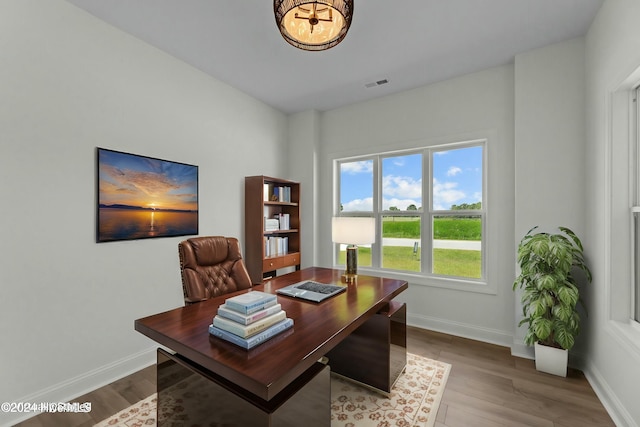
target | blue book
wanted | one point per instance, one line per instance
(251, 302)
(245, 331)
(248, 343)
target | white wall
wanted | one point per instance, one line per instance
(612, 57)
(70, 83)
(475, 106)
(549, 147)
(304, 139)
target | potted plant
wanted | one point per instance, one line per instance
(550, 294)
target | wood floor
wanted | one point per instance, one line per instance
(105, 401)
(486, 387)
(489, 387)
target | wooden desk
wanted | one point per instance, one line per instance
(269, 368)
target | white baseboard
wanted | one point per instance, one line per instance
(492, 336)
(610, 401)
(520, 349)
(82, 384)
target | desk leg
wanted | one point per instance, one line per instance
(375, 354)
(188, 394)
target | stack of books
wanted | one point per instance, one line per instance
(250, 319)
(271, 224)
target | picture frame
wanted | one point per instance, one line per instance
(141, 197)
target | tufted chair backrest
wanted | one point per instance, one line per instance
(211, 266)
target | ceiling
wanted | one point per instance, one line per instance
(417, 43)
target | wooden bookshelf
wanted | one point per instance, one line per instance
(260, 204)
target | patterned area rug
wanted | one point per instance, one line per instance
(413, 401)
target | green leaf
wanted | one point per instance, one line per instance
(530, 338)
(547, 282)
(563, 312)
(537, 308)
(548, 299)
(542, 327)
(568, 296)
(540, 246)
(564, 337)
(571, 234)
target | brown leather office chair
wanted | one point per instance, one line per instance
(211, 266)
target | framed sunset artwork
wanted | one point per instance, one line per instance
(141, 197)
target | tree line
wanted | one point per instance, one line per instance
(461, 207)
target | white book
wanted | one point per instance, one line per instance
(251, 302)
(246, 319)
(245, 331)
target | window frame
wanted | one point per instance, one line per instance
(426, 211)
(634, 317)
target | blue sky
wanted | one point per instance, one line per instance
(457, 179)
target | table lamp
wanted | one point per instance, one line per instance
(352, 231)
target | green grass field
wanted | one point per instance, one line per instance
(445, 228)
(449, 262)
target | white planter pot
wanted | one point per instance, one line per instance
(551, 360)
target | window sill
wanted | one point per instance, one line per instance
(628, 334)
(458, 284)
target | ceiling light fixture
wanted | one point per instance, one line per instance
(313, 25)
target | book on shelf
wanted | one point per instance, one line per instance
(276, 193)
(249, 343)
(282, 194)
(271, 224)
(274, 246)
(246, 319)
(283, 221)
(246, 331)
(251, 302)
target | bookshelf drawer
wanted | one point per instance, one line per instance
(270, 264)
(291, 259)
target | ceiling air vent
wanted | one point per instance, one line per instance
(376, 83)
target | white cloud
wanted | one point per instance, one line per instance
(402, 187)
(359, 205)
(352, 168)
(453, 171)
(446, 194)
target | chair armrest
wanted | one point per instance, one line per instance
(188, 301)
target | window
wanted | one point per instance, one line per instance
(356, 189)
(428, 206)
(402, 207)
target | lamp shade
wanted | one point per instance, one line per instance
(313, 24)
(353, 230)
